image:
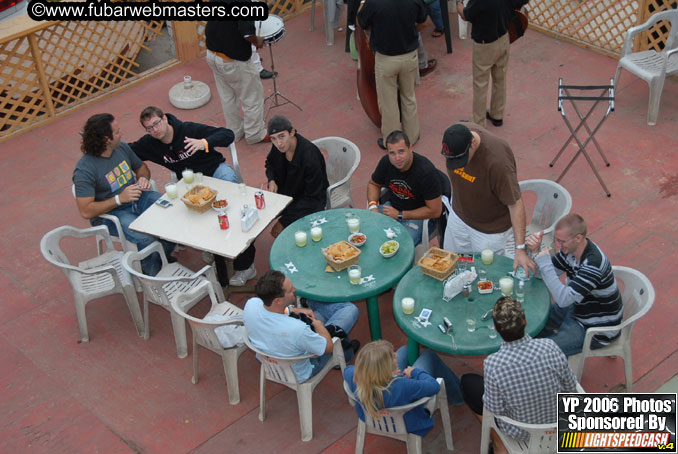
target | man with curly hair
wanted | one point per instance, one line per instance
(111, 179)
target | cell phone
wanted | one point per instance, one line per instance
(163, 203)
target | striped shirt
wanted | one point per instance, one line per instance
(522, 380)
(591, 287)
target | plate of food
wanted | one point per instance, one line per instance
(357, 239)
(341, 255)
(389, 248)
(485, 287)
(219, 205)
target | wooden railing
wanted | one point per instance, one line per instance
(50, 68)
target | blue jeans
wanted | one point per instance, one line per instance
(431, 363)
(344, 315)
(436, 14)
(127, 213)
(225, 172)
(414, 226)
(563, 329)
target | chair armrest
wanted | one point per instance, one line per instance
(632, 32)
(121, 234)
(671, 52)
(236, 164)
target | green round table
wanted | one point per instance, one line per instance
(305, 266)
(428, 293)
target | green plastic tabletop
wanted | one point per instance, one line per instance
(428, 293)
(305, 266)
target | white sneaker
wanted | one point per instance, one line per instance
(207, 257)
(240, 277)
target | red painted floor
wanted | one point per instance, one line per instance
(121, 394)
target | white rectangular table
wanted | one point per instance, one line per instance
(201, 231)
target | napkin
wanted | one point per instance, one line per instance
(455, 284)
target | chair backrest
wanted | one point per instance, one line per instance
(236, 164)
(390, 421)
(203, 330)
(278, 369)
(50, 245)
(153, 286)
(553, 202)
(343, 158)
(543, 437)
(670, 16)
(638, 295)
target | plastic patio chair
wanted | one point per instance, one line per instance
(553, 202)
(392, 424)
(120, 238)
(205, 336)
(343, 158)
(279, 370)
(165, 287)
(543, 437)
(236, 164)
(638, 297)
(650, 65)
(97, 277)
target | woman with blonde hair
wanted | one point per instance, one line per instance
(380, 379)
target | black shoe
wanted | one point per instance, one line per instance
(355, 345)
(266, 74)
(172, 259)
(380, 142)
(494, 122)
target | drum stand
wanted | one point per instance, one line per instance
(276, 95)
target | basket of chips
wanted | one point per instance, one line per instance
(438, 263)
(341, 255)
(199, 198)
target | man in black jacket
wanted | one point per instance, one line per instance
(296, 168)
(181, 145)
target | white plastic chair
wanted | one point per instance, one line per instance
(205, 336)
(638, 297)
(236, 164)
(543, 437)
(97, 277)
(650, 65)
(125, 244)
(392, 424)
(343, 157)
(164, 288)
(279, 370)
(553, 202)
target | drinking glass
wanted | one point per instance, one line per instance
(470, 325)
(188, 176)
(171, 190)
(487, 256)
(354, 273)
(408, 305)
(242, 188)
(198, 177)
(506, 286)
(492, 332)
(300, 238)
(353, 224)
(317, 233)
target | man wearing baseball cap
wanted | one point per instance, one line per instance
(487, 207)
(295, 167)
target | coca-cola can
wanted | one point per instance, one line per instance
(223, 220)
(259, 200)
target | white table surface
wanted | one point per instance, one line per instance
(201, 231)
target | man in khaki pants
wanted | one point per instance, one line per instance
(394, 38)
(490, 20)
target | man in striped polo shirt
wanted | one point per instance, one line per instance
(590, 296)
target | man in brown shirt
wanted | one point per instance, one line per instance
(487, 207)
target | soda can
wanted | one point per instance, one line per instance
(259, 200)
(223, 220)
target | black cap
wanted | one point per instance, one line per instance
(456, 145)
(278, 124)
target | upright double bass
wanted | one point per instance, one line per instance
(367, 86)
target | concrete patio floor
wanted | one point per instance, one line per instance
(121, 394)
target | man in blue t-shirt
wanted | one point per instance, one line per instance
(272, 326)
(414, 190)
(110, 178)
